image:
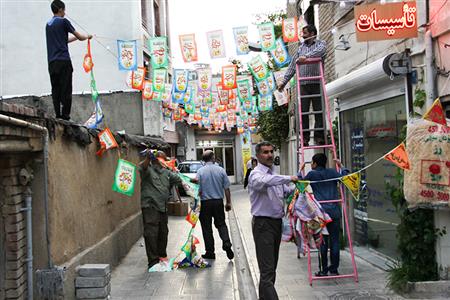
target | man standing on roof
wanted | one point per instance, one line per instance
(309, 48)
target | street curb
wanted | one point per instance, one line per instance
(245, 280)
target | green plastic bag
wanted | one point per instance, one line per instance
(125, 178)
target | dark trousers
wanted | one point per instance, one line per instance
(213, 209)
(61, 80)
(331, 242)
(267, 237)
(312, 89)
(156, 232)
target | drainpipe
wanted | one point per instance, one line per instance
(430, 84)
(32, 126)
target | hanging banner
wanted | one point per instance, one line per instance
(263, 87)
(167, 94)
(267, 36)
(352, 182)
(204, 79)
(250, 81)
(107, 141)
(147, 90)
(229, 77)
(215, 44)
(265, 103)
(387, 21)
(399, 156)
(137, 79)
(125, 178)
(290, 30)
(243, 90)
(246, 144)
(189, 107)
(180, 80)
(301, 23)
(127, 55)
(158, 52)
(241, 40)
(188, 47)
(159, 79)
(280, 54)
(271, 82)
(427, 183)
(436, 113)
(301, 185)
(223, 94)
(96, 117)
(258, 68)
(87, 61)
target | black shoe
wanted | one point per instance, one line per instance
(336, 273)
(320, 274)
(209, 256)
(230, 253)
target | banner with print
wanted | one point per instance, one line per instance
(229, 77)
(204, 79)
(290, 30)
(125, 178)
(127, 55)
(215, 44)
(188, 47)
(159, 80)
(138, 78)
(267, 36)
(107, 141)
(158, 52)
(258, 68)
(280, 54)
(241, 40)
(265, 102)
(147, 90)
(180, 80)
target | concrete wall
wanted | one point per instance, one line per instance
(23, 45)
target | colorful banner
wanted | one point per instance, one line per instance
(241, 40)
(267, 36)
(137, 78)
(301, 185)
(246, 145)
(352, 182)
(280, 54)
(258, 68)
(215, 44)
(436, 113)
(229, 77)
(159, 80)
(107, 141)
(147, 90)
(204, 79)
(158, 52)
(290, 30)
(96, 117)
(125, 178)
(263, 87)
(87, 61)
(243, 90)
(265, 102)
(180, 80)
(301, 23)
(127, 55)
(399, 156)
(188, 47)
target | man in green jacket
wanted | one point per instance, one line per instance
(156, 183)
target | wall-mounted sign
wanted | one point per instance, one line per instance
(386, 21)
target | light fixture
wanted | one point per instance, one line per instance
(343, 44)
(342, 4)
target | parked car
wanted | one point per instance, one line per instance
(189, 168)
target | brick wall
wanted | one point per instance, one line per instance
(13, 284)
(326, 19)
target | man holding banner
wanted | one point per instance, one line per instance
(156, 183)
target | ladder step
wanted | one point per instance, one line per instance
(311, 96)
(318, 147)
(314, 129)
(310, 78)
(315, 112)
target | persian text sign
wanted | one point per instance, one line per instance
(386, 21)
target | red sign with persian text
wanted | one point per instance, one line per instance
(386, 21)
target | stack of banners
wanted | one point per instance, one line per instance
(97, 116)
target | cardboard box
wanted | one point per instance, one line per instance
(177, 208)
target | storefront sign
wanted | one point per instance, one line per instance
(386, 21)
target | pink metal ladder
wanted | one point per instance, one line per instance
(331, 147)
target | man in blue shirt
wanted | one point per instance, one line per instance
(327, 191)
(59, 63)
(214, 183)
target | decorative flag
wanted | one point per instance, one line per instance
(271, 82)
(229, 77)
(223, 94)
(248, 77)
(177, 98)
(158, 52)
(180, 80)
(263, 87)
(300, 24)
(215, 44)
(127, 55)
(189, 107)
(241, 40)
(352, 182)
(87, 61)
(290, 30)
(167, 94)
(193, 215)
(125, 178)
(167, 113)
(265, 103)
(243, 90)
(97, 116)
(280, 54)
(159, 79)
(188, 47)
(138, 77)
(107, 141)
(399, 156)
(204, 79)
(147, 91)
(177, 114)
(258, 68)
(301, 185)
(436, 113)
(267, 36)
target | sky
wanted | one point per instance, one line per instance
(201, 16)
